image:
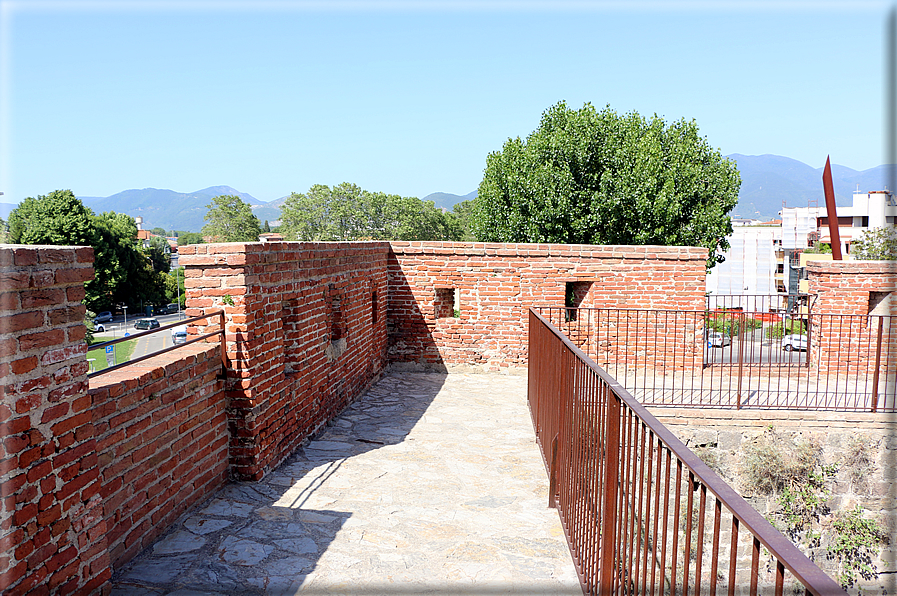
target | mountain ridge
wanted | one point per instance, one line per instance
(768, 182)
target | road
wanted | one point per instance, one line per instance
(146, 345)
(755, 350)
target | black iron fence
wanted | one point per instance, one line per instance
(643, 514)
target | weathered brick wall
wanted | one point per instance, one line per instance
(854, 290)
(306, 333)
(52, 528)
(161, 442)
(496, 284)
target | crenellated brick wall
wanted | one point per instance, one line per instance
(854, 290)
(495, 284)
(161, 443)
(52, 527)
(306, 333)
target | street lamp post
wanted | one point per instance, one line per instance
(125, 308)
(177, 282)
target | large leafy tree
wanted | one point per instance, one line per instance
(185, 238)
(347, 212)
(590, 177)
(230, 219)
(122, 273)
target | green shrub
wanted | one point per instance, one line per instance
(780, 330)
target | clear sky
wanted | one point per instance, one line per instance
(410, 97)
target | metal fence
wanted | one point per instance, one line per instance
(193, 339)
(643, 514)
(740, 359)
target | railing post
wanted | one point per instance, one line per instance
(741, 321)
(881, 322)
(553, 475)
(607, 555)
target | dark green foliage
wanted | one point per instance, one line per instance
(877, 244)
(589, 177)
(230, 219)
(185, 238)
(123, 275)
(347, 212)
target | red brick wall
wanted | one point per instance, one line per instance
(850, 342)
(52, 528)
(497, 283)
(161, 442)
(843, 287)
(301, 337)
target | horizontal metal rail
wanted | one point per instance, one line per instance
(643, 514)
(741, 359)
(220, 333)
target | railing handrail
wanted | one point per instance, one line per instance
(221, 332)
(813, 578)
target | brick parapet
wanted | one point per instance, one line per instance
(161, 442)
(497, 283)
(302, 336)
(51, 523)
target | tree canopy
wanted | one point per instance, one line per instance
(230, 219)
(590, 177)
(347, 212)
(122, 273)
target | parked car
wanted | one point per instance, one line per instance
(147, 324)
(168, 309)
(794, 342)
(715, 339)
(99, 328)
(103, 317)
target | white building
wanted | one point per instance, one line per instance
(802, 226)
(750, 267)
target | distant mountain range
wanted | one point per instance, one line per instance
(767, 182)
(770, 181)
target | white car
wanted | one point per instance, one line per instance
(795, 342)
(99, 328)
(715, 339)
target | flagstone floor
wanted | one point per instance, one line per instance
(428, 484)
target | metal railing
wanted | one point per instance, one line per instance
(642, 514)
(741, 359)
(193, 339)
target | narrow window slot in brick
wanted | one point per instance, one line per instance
(447, 304)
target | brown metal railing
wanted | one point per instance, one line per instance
(193, 339)
(643, 514)
(737, 359)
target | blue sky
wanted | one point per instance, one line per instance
(410, 97)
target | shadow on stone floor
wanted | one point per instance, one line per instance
(266, 537)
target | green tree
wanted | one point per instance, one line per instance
(4, 231)
(58, 218)
(159, 254)
(464, 214)
(230, 219)
(122, 273)
(347, 212)
(877, 244)
(589, 177)
(176, 291)
(267, 227)
(185, 238)
(159, 231)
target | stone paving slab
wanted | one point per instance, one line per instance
(428, 484)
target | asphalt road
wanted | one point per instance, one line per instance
(753, 348)
(146, 345)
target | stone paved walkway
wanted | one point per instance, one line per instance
(429, 484)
